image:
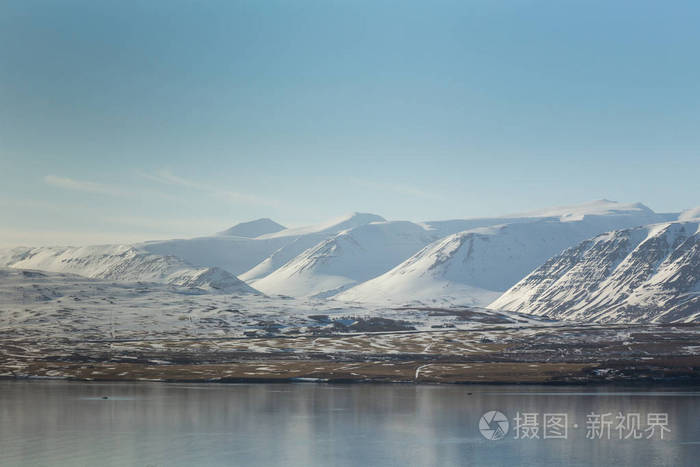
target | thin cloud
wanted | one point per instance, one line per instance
(101, 188)
(168, 178)
(83, 185)
(398, 188)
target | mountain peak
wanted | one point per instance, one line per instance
(254, 228)
(476, 265)
(598, 207)
(689, 214)
(351, 220)
(362, 217)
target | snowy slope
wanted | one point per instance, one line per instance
(237, 254)
(347, 258)
(690, 214)
(644, 274)
(207, 262)
(231, 253)
(254, 228)
(575, 212)
(336, 225)
(288, 271)
(602, 207)
(474, 267)
(123, 263)
(301, 239)
(37, 304)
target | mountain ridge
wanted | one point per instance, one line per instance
(254, 228)
(475, 266)
(123, 263)
(346, 258)
(649, 273)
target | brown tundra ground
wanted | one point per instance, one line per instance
(492, 353)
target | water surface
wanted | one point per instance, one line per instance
(58, 423)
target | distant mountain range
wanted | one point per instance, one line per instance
(600, 261)
(345, 259)
(475, 266)
(124, 263)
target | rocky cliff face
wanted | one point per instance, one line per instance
(647, 273)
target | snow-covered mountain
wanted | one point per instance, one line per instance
(231, 253)
(254, 228)
(237, 254)
(644, 274)
(476, 266)
(345, 259)
(123, 263)
(305, 268)
(601, 207)
(205, 262)
(690, 214)
(301, 239)
(358, 257)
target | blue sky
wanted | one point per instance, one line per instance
(148, 119)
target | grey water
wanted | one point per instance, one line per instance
(60, 423)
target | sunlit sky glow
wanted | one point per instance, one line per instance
(133, 120)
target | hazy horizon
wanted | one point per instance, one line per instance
(69, 238)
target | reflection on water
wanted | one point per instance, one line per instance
(306, 424)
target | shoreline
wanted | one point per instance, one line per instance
(616, 383)
(679, 370)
